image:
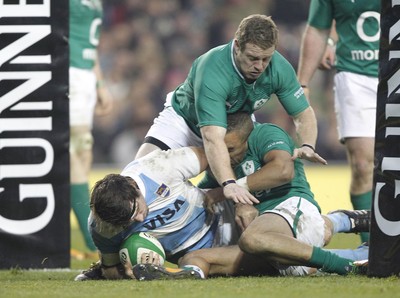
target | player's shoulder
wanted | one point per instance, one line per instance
(168, 162)
(279, 62)
(216, 58)
(261, 130)
(266, 126)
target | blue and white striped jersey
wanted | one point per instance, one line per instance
(176, 215)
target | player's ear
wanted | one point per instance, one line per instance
(236, 47)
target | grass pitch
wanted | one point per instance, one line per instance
(27, 284)
(330, 186)
(60, 283)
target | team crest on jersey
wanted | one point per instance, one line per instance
(259, 103)
(163, 191)
(248, 167)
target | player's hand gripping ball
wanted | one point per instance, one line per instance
(137, 244)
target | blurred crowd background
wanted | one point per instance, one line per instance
(147, 48)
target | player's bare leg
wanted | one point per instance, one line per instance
(271, 237)
(81, 155)
(227, 261)
(81, 142)
(221, 261)
(360, 155)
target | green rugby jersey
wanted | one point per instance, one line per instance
(215, 88)
(357, 25)
(85, 18)
(264, 138)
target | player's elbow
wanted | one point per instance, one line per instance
(212, 134)
(286, 173)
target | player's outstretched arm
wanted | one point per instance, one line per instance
(306, 128)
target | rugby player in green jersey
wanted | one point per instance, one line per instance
(286, 230)
(86, 92)
(239, 76)
(357, 28)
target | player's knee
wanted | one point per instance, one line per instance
(249, 243)
(361, 165)
(183, 260)
(188, 258)
(81, 142)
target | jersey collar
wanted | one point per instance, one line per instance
(233, 61)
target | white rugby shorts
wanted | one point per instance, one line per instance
(308, 227)
(82, 96)
(355, 105)
(171, 129)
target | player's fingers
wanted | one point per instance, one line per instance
(254, 200)
(325, 65)
(246, 200)
(314, 158)
(156, 259)
(320, 159)
(247, 197)
(150, 257)
(144, 258)
(296, 154)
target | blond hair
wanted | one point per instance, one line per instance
(259, 30)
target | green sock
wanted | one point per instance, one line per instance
(329, 262)
(360, 202)
(80, 205)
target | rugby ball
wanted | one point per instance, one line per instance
(135, 245)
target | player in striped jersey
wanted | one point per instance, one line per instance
(153, 194)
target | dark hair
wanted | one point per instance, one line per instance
(112, 197)
(240, 123)
(259, 30)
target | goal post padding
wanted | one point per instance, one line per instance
(34, 134)
(384, 253)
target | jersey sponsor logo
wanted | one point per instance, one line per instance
(367, 37)
(365, 55)
(89, 54)
(275, 143)
(248, 167)
(299, 92)
(165, 216)
(163, 191)
(259, 103)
